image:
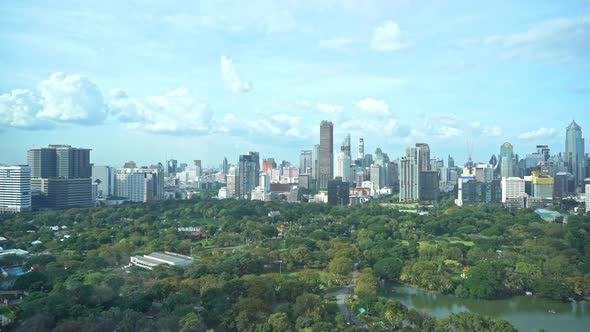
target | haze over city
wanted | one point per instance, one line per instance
(152, 80)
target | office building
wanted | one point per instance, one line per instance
(268, 164)
(507, 161)
(345, 147)
(248, 174)
(104, 178)
(264, 182)
(61, 177)
(361, 154)
(564, 185)
(342, 167)
(232, 182)
(376, 176)
(423, 151)
(130, 164)
(224, 166)
(417, 160)
(326, 154)
(305, 162)
(338, 192)
(512, 188)
(574, 152)
(429, 186)
(139, 184)
(15, 189)
(484, 172)
(542, 185)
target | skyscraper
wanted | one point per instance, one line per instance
(326, 155)
(172, 167)
(139, 184)
(574, 152)
(104, 177)
(361, 155)
(248, 174)
(232, 182)
(61, 177)
(305, 162)
(507, 163)
(417, 160)
(224, 166)
(15, 189)
(346, 145)
(424, 158)
(342, 167)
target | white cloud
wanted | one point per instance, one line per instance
(492, 131)
(177, 112)
(281, 125)
(539, 133)
(231, 78)
(337, 43)
(329, 108)
(561, 39)
(71, 98)
(449, 132)
(19, 109)
(388, 37)
(373, 107)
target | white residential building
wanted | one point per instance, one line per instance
(512, 188)
(15, 189)
(104, 178)
(342, 167)
(588, 198)
(139, 184)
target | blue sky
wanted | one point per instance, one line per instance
(142, 80)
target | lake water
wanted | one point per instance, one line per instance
(526, 313)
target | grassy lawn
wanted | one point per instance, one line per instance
(465, 243)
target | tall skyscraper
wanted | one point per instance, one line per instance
(171, 167)
(248, 174)
(345, 147)
(342, 167)
(61, 177)
(315, 164)
(417, 160)
(139, 184)
(507, 161)
(361, 155)
(15, 189)
(424, 160)
(574, 152)
(232, 182)
(326, 156)
(588, 198)
(305, 162)
(375, 176)
(224, 166)
(338, 192)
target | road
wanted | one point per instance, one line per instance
(343, 294)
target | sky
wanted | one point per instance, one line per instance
(149, 80)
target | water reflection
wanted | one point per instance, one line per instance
(527, 313)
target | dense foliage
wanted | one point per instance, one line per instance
(249, 278)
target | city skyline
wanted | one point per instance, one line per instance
(216, 79)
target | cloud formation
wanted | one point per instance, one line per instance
(329, 108)
(388, 37)
(60, 98)
(539, 133)
(176, 112)
(231, 78)
(373, 107)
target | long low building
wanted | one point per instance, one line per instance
(158, 258)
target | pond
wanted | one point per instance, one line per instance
(526, 313)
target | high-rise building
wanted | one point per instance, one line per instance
(232, 182)
(542, 185)
(61, 177)
(512, 188)
(361, 155)
(248, 174)
(171, 167)
(130, 164)
(15, 189)
(338, 192)
(450, 162)
(507, 160)
(268, 164)
(429, 186)
(342, 167)
(305, 162)
(104, 178)
(345, 147)
(574, 152)
(264, 182)
(224, 166)
(375, 176)
(564, 185)
(417, 160)
(588, 198)
(326, 155)
(315, 163)
(139, 184)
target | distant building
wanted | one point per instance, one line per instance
(61, 193)
(342, 167)
(139, 184)
(588, 198)
(574, 152)
(232, 182)
(305, 162)
(248, 174)
(104, 178)
(326, 154)
(429, 189)
(376, 176)
(512, 188)
(160, 258)
(507, 161)
(542, 185)
(417, 160)
(15, 189)
(224, 166)
(564, 185)
(338, 192)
